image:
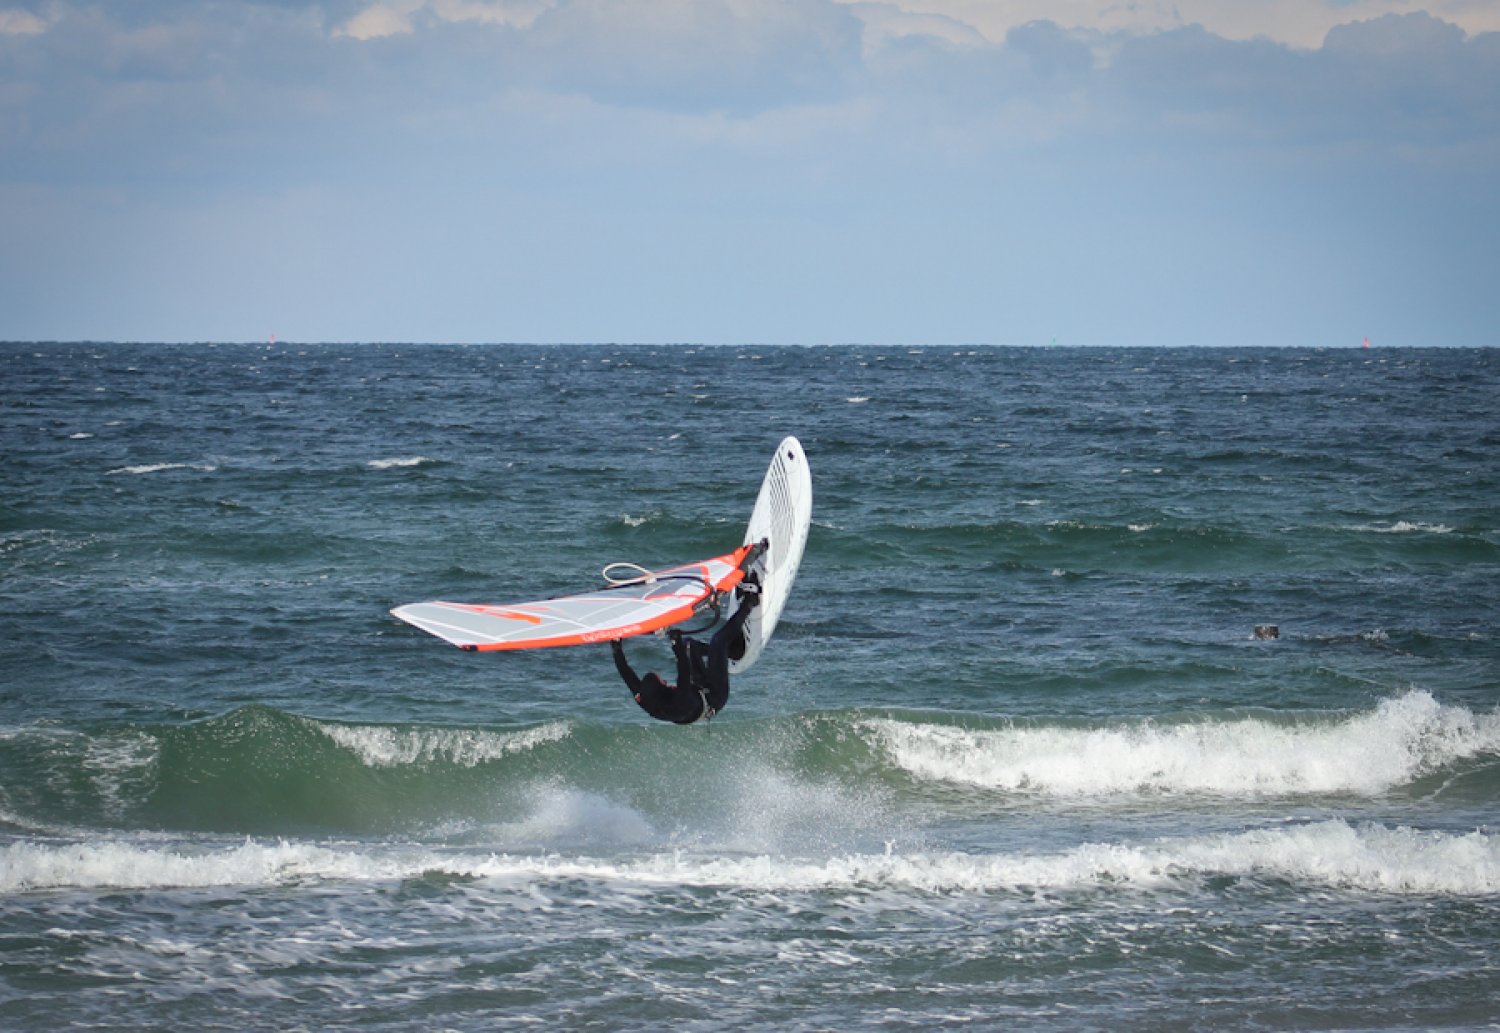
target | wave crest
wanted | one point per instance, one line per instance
(399, 462)
(162, 468)
(1364, 859)
(386, 746)
(1403, 739)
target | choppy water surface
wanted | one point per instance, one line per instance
(1013, 760)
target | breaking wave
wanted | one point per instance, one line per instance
(1403, 739)
(1368, 858)
(839, 777)
(385, 746)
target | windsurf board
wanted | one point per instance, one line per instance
(781, 518)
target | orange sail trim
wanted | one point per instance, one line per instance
(495, 611)
(655, 601)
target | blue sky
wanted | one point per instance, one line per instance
(1215, 172)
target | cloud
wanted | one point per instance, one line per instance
(884, 22)
(1396, 36)
(1387, 84)
(688, 55)
(866, 168)
(378, 21)
(187, 93)
(90, 70)
(1298, 23)
(15, 22)
(735, 55)
(127, 94)
(400, 17)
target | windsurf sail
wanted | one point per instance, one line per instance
(658, 599)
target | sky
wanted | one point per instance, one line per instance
(912, 172)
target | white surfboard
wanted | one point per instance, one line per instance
(782, 515)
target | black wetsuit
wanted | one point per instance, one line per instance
(702, 688)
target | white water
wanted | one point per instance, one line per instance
(162, 467)
(385, 747)
(398, 462)
(1368, 858)
(1401, 740)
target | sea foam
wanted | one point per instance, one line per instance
(384, 747)
(1404, 527)
(1402, 739)
(398, 462)
(130, 865)
(1365, 858)
(163, 467)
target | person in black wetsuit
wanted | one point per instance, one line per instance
(702, 687)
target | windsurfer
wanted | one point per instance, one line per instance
(702, 687)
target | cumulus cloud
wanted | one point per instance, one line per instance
(378, 21)
(167, 91)
(962, 133)
(739, 55)
(14, 22)
(884, 22)
(1387, 83)
(400, 17)
(1300, 23)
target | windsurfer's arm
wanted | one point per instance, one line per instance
(623, 666)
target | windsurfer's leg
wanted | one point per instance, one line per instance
(682, 648)
(699, 654)
(718, 653)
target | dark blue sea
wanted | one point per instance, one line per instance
(1014, 759)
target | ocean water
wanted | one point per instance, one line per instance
(1013, 760)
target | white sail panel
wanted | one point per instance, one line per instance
(659, 600)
